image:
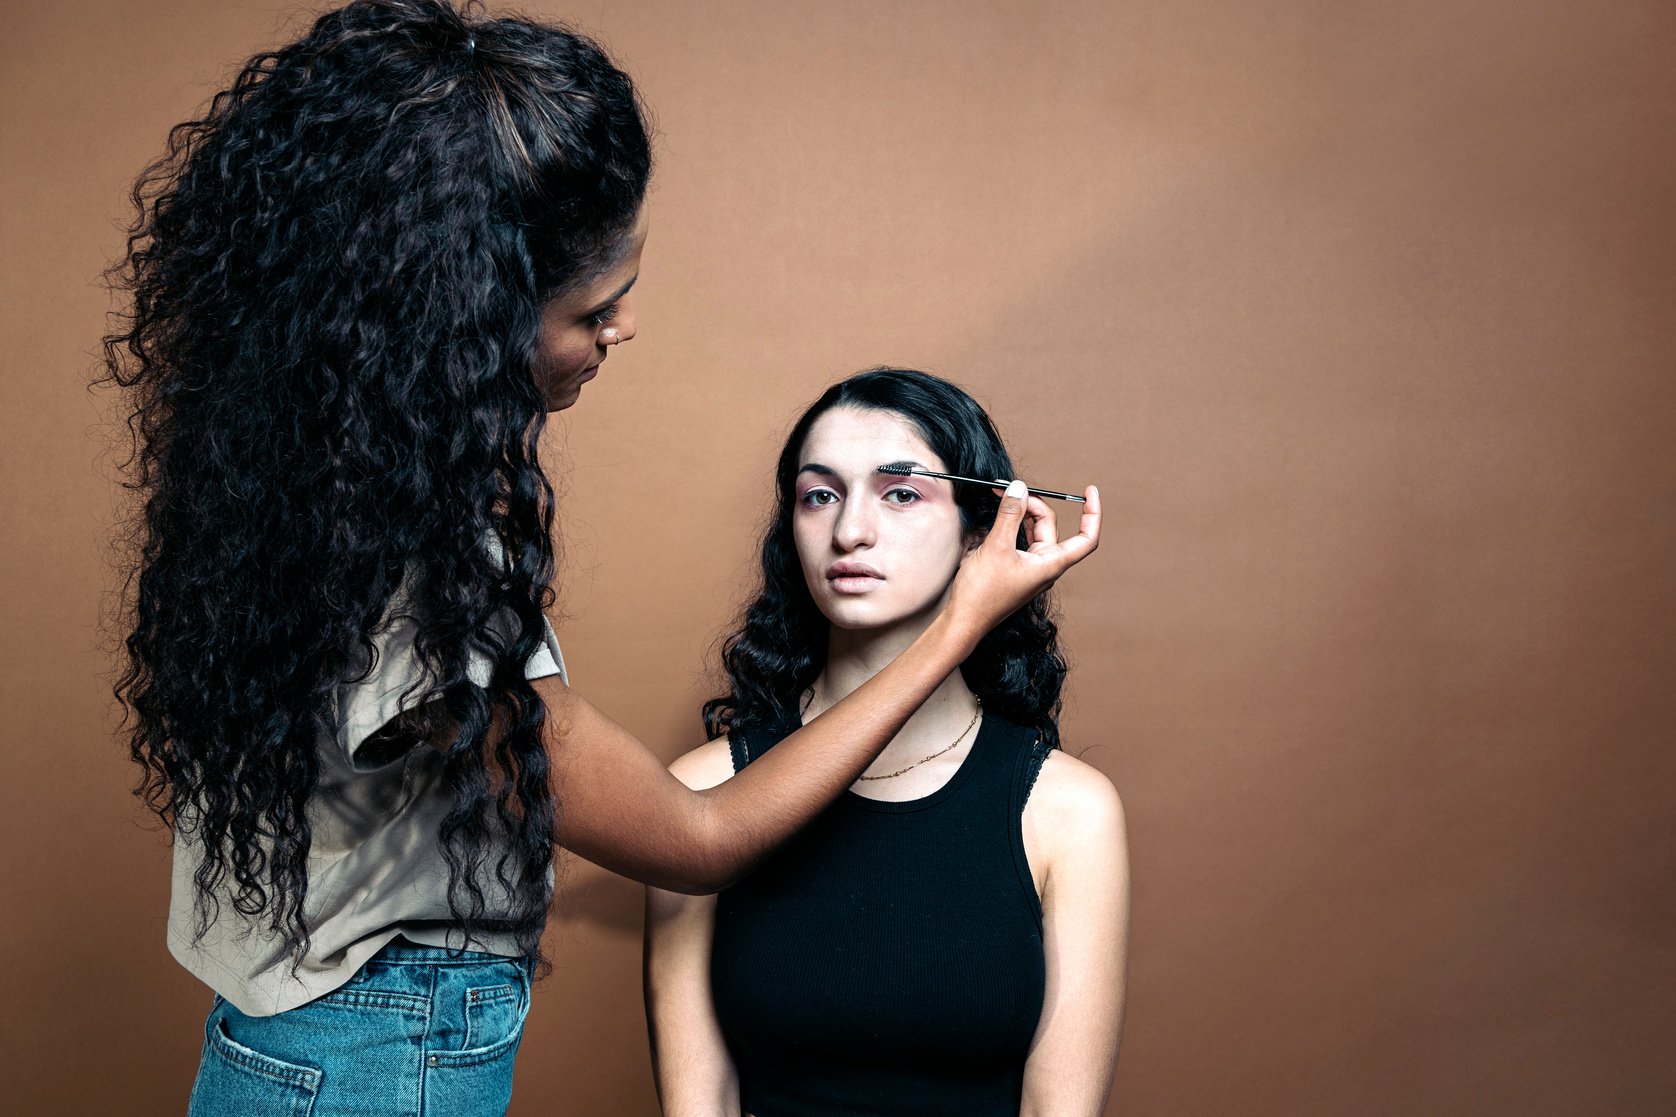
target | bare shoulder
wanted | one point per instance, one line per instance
(706, 766)
(1074, 802)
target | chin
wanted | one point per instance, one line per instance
(563, 399)
(861, 615)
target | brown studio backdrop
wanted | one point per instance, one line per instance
(1359, 313)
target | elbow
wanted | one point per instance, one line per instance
(690, 882)
(715, 857)
(703, 848)
(703, 875)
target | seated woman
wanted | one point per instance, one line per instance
(948, 938)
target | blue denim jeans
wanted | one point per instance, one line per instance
(415, 1031)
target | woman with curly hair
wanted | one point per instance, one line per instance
(947, 937)
(360, 282)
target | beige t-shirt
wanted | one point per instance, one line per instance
(375, 866)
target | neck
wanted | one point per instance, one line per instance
(854, 657)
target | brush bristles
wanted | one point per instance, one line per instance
(898, 470)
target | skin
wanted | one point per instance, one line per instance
(850, 517)
(579, 326)
(620, 807)
(907, 531)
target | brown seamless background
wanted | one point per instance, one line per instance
(1361, 315)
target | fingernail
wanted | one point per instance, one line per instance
(1016, 488)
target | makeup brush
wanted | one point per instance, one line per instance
(909, 471)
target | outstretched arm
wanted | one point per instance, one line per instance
(621, 809)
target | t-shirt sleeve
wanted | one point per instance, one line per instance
(399, 680)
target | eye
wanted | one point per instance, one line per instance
(601, 317)
(817, 498)
(901, 496)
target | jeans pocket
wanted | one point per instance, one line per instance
(496, 1005)
(235, 1080)
(492, 1015)
(478, 1079)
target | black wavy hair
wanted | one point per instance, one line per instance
(336, 279)
(779, 646)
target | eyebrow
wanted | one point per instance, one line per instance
(828, 471)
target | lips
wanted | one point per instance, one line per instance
(852, 577)
(852, 570)
(588, 374)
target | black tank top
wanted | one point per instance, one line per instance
(888, 960)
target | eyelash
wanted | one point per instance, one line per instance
(808, 499)
(601, 317)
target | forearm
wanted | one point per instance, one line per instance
(619, 808)
(788, 786)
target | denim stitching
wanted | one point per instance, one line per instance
(425, 1057)
(266, 1065)
(494, 1051)
(478, 997)
(374, 998)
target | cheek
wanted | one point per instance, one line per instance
(945, 565)
(554, 361)
(952, 547)
(808, 534)
(936, 546)
(564, 351)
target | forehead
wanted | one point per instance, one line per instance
(858, 439)
(620, 264)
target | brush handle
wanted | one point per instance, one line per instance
(1050, 494)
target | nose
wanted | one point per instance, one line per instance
(855, 527)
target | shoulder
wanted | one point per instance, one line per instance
(1075, 810)
(706, 766)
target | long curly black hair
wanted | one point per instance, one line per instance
(779, 647)
(336, 279)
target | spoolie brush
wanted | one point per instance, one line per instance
(913, 471)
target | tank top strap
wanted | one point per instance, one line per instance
(746, 745)
(1022, 763)
(1030, 754)
(1000, 768)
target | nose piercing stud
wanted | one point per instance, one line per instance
(610, 335)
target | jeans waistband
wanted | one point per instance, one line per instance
(402, 950)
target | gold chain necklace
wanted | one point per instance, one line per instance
(934, 755)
